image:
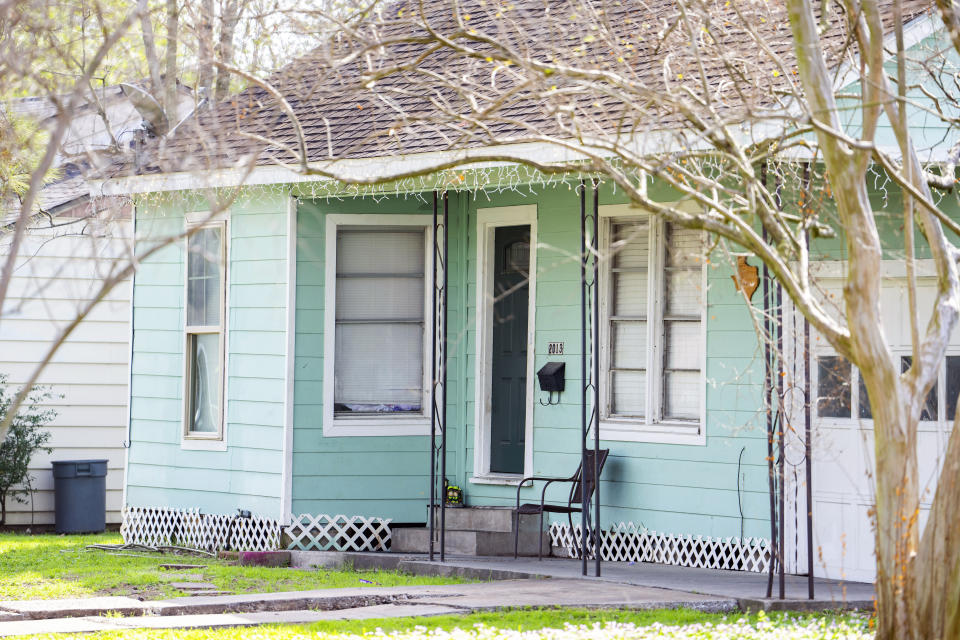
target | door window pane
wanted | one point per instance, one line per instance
(833, 387)
(203, 349)
(953, 385)
(929, 411)
(379, 333)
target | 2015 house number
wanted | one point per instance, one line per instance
(554, 348)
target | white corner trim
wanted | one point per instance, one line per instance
(487, 220)
(286, 480)
(387, 425)
(130, 329)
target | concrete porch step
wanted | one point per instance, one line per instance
(494, 519)
(468, 543)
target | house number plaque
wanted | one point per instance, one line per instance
(554, 348)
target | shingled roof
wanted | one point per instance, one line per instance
(404, 113)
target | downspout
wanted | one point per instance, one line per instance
(127, 443)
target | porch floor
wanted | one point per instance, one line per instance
(748, 588)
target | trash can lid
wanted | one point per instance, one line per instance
(79, 468)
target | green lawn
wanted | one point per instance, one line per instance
(537, 624)
(51, 566)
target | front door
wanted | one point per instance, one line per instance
(511, 287)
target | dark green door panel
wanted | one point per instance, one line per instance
(509, 368)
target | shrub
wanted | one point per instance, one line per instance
(25, 437)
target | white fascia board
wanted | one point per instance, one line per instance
(357, 170)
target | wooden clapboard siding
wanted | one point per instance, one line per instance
(673, 488)
(685, 489)
(369, 476)
(247, 474)
(89, 373)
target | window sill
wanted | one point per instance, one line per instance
(202, 443)
(502, 479)
(376, 426)
(683, 433)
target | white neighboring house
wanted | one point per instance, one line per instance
(71, 246)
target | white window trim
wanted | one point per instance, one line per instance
(386, 425)
(645, 430)
(191, 440)
(488, 220)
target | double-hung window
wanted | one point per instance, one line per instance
(652, 330)
(205, 296)
(376, 347)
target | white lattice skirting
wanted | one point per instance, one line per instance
(338, 533)
(190, 528)
(628, 542)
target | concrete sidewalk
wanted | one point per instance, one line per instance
(90, 614)
(748, 588)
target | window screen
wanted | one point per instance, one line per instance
(203, 277)
(683, 306)
(627, 322)
(378, 363)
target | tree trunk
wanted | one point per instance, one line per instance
(938, 564)
(225, 49)
(205, 54)
(170, 77)
(896, 510)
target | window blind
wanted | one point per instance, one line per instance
(627, 328)
(683, 298)
(379, 332)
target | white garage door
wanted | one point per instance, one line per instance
(843, 440)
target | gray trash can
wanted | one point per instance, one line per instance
(80, 495)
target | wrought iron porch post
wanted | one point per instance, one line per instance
(583, 375)
(590, 373)
(433, 384)
(443, 377)
(595, 378)
(438, 365)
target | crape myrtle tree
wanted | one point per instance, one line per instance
(745, 109)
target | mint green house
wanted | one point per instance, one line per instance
(286, 357)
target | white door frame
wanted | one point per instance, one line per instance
(487, 222)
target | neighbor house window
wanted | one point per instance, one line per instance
(380, 345)
(204, 331)
(652, 331)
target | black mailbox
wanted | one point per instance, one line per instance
(552, 376)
